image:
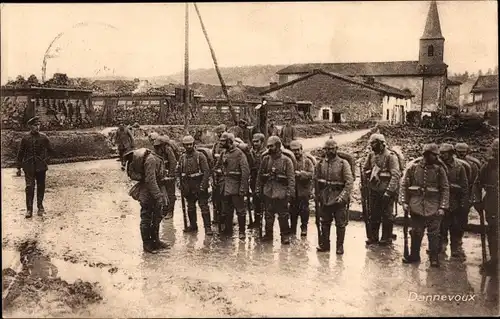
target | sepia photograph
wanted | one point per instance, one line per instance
(249, 159)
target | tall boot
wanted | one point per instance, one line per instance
(40, 193)
(30, 194)
(207, 224)
(284, 231)
(192, 222)
(340, 240)
(434, 246)
(324, 245)
(386, 239)
(269, 227)
(416, 242)
(157, 243)
(147, 241)
(375, 228)
(241, 226)
(456, 249)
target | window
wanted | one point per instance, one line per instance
(430, 50)
(326, 114)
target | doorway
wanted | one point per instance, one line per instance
(337, 117)
(326, 115)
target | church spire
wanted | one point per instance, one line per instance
(432, 26)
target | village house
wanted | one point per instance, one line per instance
(484, 95)
(426, 78)
(333, 97)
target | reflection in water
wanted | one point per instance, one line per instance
(489, 289)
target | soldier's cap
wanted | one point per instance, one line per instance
(272, 140)
(160, 140)
(220, 128)
(226, 136)
(377, 137)
(431, 148)
(34, 121)
(330, 143)
(153, 135)
(446, 147)
(188, 139)
(231, 137)
(295, 145)
(258, 137)
(461, 147)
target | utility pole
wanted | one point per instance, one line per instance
(186, 73)
(222, 83)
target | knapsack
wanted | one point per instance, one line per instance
(135, 166)
(351, 160)
(208, 155)
(175, 149)
(418, 159)
(287, 153)
(468, 169)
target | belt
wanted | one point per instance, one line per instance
(192, 175)
(423, 189)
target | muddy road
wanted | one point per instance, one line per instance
(85, 259)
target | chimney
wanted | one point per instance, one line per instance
(369, 80)
(272, 85)
(240, 83)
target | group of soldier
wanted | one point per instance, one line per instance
(436, 190)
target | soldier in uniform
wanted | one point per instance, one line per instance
(288, 133)
(272, 129)
(303, 184)
(425, 195)
(152, 201)
(383, 173)
(168, 185)
(124, 140)
(234, 174)
(333, 186)
(258, 148)
(487, 180)
(217, 151)
(458, 201)
(33, 157)
(242, 131)
(194, 174)
(276, 182)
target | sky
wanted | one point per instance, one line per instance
(147, 39)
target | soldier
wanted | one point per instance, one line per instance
(487, 180)
(458, 202)
(462, 150)
(33, 157)
(333, 186)
(303, 178)
(383, 173)
(288, 133)
(257, 150)
(149, 194)
(272, 129)
(276, 182)
(424, 194)
(124, 140)
(194, 174)
(234, 174)
(168, 185)
(217, 151)
(242, 131)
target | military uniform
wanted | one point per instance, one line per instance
(124, 141)
(288, 134)
(168, 184)
(487, 180)
(458, 204)
(304, 173)
(333, 186)
(33, 157)
(276, 182)
(257, 160)
(234, 174)
(425, 193)
(216, 192)
(383, 173)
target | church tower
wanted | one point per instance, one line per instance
(431, 51)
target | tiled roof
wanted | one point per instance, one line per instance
(485, 83)
(450, 82)
(357, 69)
(376, 86)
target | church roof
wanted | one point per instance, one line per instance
(376, 86)
(485, 83)
(357, 69)
(432, 25)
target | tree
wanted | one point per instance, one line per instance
(496, 70)
(59, 79)
(32, 80)
(490, 72)
(480, 72)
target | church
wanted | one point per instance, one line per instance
(426, 78)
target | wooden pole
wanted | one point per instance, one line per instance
(186, 73)
(222, 83)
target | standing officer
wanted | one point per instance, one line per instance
(234, 177)
(458, 201)
(303, 183)
(258, 148)
(33, 157)
(168, 185)
(124, 140)
(276, 181)
(333, 186)
(383, 173)
(487, 180)
(425, 195)
(288, 133)
(194, 174)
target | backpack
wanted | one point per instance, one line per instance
(418, 159)
(468, 169)
(135, 166)
(474, 160)
(351, 160)
(285, 152)
(175, 149)
(208, 155)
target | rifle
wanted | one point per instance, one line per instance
(184, 213)
(406, 252)
(261, 217)
(317, 209)
(483, 235)
(249, 206)
(365, 202)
